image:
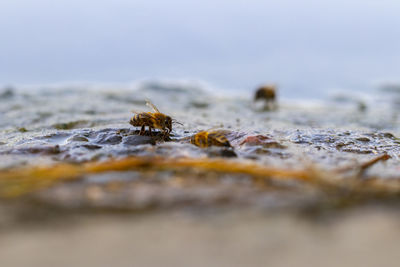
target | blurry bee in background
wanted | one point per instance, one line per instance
(267, 93)
(153, 120)
(207, 139)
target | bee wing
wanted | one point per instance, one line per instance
(135, 111)
(152, 106)
(147, 115)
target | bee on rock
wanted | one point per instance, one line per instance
(207, 139)
(267, 94)
(153, 120)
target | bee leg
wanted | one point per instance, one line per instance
(166, 134)
(142, 130)
(150, 131)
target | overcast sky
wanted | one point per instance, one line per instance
(232, 44)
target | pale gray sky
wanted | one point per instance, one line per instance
(232, 44)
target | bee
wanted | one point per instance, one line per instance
(153, 120)
(267, 93)
(207, 139)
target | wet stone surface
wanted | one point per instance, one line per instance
(93, 126)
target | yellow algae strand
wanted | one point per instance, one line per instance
(17, 182)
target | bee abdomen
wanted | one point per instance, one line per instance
(138, 120)
(218, 139)
(134, 120)
(200, 139)
(207, 139)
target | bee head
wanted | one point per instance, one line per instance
(168, 123)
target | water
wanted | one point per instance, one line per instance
(79, 124)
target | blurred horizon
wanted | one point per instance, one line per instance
(308, 47)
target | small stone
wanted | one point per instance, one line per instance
(363, 139)
(43, 150)
(91, 147)
(71, 125)
(78, 138)
(108, 139)
(218, 152)
(7, 92)
(135, 140)
(262, 140)
(388, 135)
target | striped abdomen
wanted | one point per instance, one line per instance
(143, 119)
(207, 139)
